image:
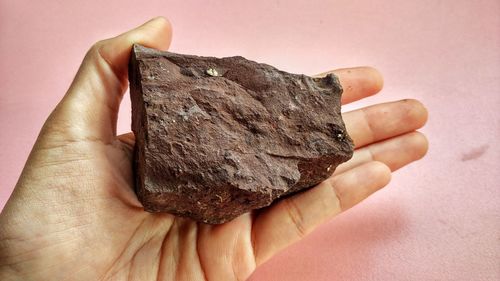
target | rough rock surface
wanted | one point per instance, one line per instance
(216, 138)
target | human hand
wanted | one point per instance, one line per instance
(74, 216)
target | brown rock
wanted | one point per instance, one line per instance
(216, 138)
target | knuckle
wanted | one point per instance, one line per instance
(94, 50)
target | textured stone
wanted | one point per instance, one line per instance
(216, 138)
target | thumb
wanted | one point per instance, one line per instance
(89, 110)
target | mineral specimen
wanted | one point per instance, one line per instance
(218, 137)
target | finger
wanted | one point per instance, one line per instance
(394, 153)
(358, 82)
(156, 33)
(90, 108)
(382, 121)
(226, 249)
(293, 218)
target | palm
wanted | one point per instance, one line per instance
(74, 215)
(147, 246)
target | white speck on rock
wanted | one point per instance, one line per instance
(212, 72)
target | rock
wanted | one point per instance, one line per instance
(216, 138)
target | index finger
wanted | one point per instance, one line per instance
(357, 82)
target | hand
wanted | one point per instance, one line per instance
(74, 216)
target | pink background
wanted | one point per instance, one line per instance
(439, 219)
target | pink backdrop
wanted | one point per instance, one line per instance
(439, 219)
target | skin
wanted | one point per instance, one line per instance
(74, 216)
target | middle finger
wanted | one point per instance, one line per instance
(382, 121)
